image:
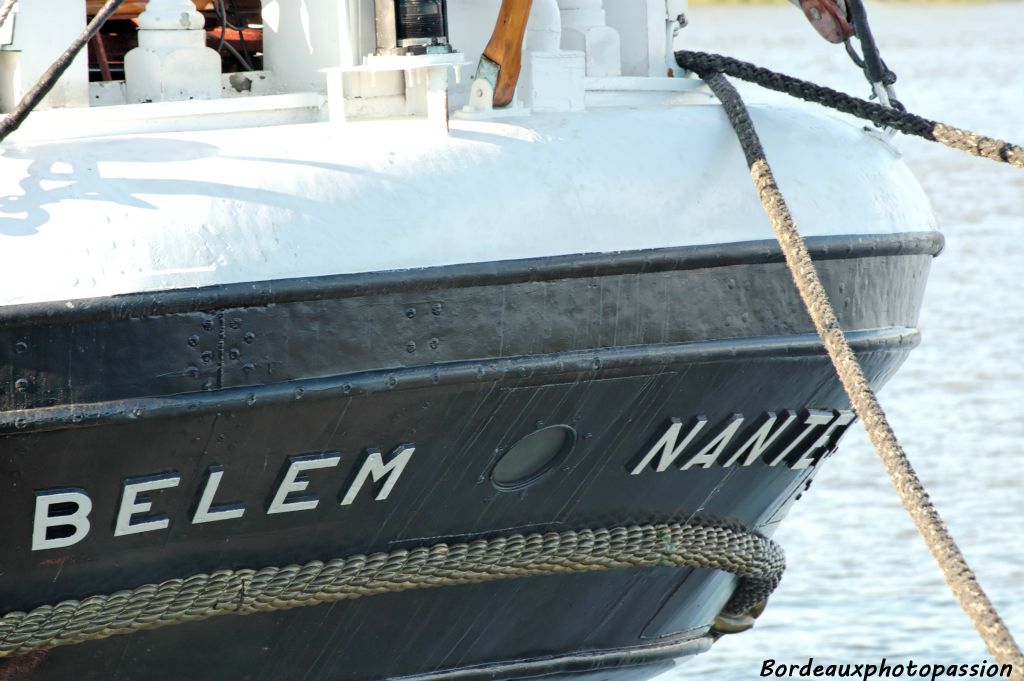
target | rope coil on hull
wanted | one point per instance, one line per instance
(757, 560)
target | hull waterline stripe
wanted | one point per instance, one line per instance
(754, 558)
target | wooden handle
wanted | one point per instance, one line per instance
(506, 47)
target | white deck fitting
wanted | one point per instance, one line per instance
(172, 62)
(40, 30)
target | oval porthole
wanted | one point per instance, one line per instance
(533, 457)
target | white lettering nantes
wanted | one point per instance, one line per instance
(62, 515)
(772, 439)
(762, 439)
(670, 451)
(827, 440)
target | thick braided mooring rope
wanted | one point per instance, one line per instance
(705, 64)
(757, 560)
(943, 547)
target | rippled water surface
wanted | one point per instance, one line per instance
(861, 585)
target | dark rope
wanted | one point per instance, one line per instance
(874, 68)
(877, 72)
(704, 64)
(707, 65)
(240, 26)
(852, 52)
(17, 116)
(943, 547)
(221, 10)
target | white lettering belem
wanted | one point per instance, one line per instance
(78, 520)
(374, 466)
(61, 517)
(134, 503)
(206, 511)
(283, 501)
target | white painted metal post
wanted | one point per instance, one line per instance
(172, 61)
(42, 30)
(647, 29)
(676, 20)
(544, 31)
(301, 39)
(553, 78)
(584, 28)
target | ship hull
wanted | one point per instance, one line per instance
(450, 368)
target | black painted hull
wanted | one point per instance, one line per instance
(462, 362)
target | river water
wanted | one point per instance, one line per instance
(861, 585)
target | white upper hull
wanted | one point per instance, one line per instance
(106, 216)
